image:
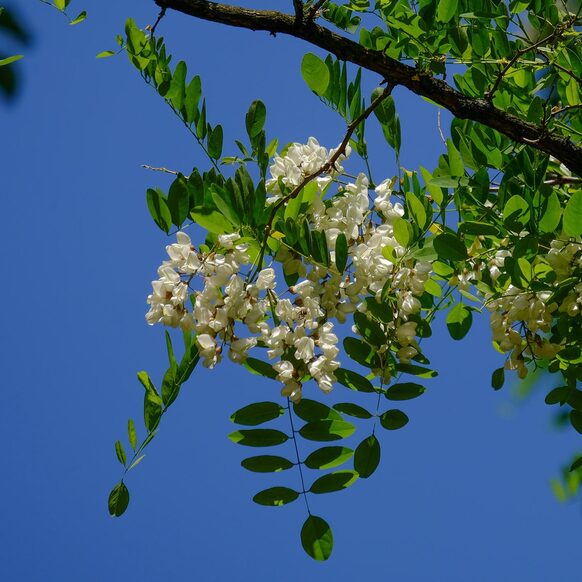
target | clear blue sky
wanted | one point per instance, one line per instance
(462, 492)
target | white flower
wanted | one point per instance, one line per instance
(266, 279)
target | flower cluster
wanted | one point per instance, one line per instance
(242, 311)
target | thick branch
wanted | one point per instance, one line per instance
(393, 71)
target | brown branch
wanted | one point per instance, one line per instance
(298, 6)
(395, 72)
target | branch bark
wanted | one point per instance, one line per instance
(393, 71)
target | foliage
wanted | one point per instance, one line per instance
(291, 248)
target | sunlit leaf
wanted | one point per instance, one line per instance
(317, 538)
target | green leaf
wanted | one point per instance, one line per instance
(446, 9)
(159, 209)
(136, 462)
(258, 437)
(118, 500)
(192, 98)
(60, 4)
(404, 391)
(335, 481)
(255, 118)
(260, 368)
(498, 378)
(178, 201)
(266, 464)
(131, 434)
(212, 221)
(576, 420)
(516, 209)
(459, 320)
(104, 54)
(352, 410)
(327, 430)
(79, 18)
(551, 218)
(177, 91)
(367, 457)
(317, 538)
(341, 252)
(120, 453)
(393, 419)
(449, 246)
(152, 409)
(311, 410)
(576, 464)
(11, 59)
(416, 210)
(455, 162)
(403, 231)
(371, 331)
(415, 370)
(328, 457)
(478, 228)
(276, 496)
(215, 139)
(361, 352)
(353, 380)
(315, 73)
(257, 413)
(573, 215)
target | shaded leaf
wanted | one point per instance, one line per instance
(327, 430)
(118, 500)
(276, 496)
(257, 413)
(405, 391)
(367, 456)
(258, 437)
(266, 464)
(353, 380)
(317, 538)
(335, 481)
(315, 73)
(459, 320)
(393, 419)
(328, 457)
(311, 410)
(352, 409)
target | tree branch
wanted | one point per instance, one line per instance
(393, 71)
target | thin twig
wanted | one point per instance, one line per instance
(315, 9)
(165, 170)
(558, 31)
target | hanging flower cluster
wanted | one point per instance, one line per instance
(241, 311)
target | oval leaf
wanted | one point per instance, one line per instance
(353, 380)
(459, 320)
(328, 457)
(118, 500)
(404, 391)
(573, 215)
(327, 430)
(266, 464)
(352, 409)
(315, 73)
(334, 482)
(257, 413)
(449, 246)
(258, 437)
(317, 538)
(311, 410)
(367, 456)
(393, 419)
(276, 496)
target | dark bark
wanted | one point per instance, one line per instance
(392, 71)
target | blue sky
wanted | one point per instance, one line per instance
(462, 492)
